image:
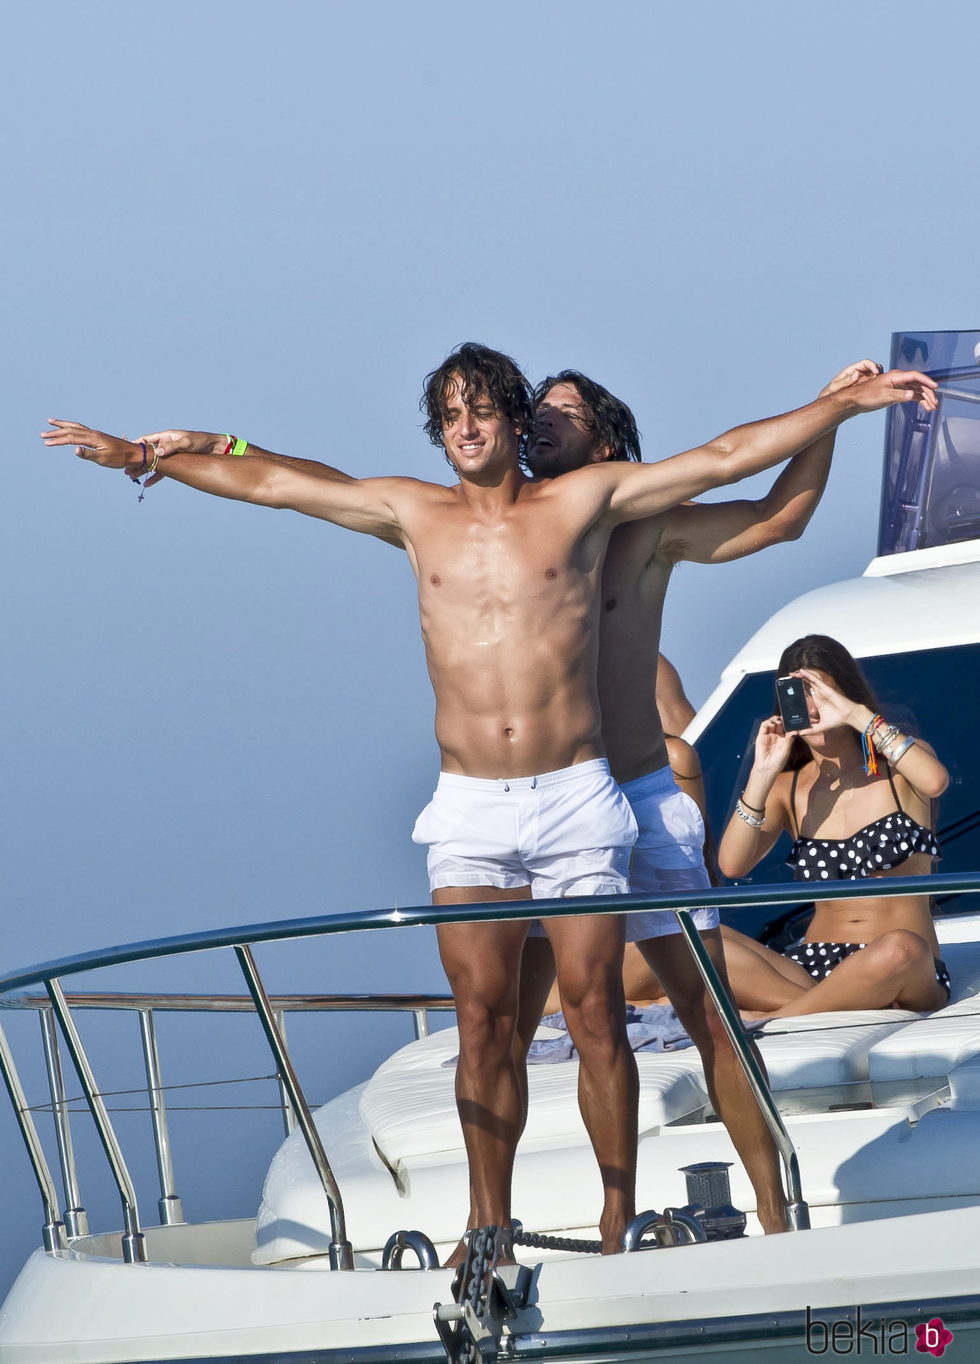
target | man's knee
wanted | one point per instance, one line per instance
(596, 1016)
(486, 1030)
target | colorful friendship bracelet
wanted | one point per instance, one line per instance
(868, 746)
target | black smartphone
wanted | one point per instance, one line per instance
(791, 696)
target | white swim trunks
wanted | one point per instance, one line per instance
(563, 833)
(668, 855)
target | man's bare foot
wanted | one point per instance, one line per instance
(772, 1220)
(611, 1236)
(505, 1256)
(454, 1260)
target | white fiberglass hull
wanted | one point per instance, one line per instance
(733, 1300)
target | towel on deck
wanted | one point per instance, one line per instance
(654, 1028)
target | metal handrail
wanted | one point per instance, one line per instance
(240, 1004)
(418, 916)
(270, 1009)
(797, 1211)
(133, 1243)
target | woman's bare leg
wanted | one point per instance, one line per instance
(897, 969)
(761, 980)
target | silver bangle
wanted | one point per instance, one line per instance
(883, 737)
(750, 820)
(895, 742)
(894, 757)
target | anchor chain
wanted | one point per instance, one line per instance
(486, 1293)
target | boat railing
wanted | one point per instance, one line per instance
(58, 1008)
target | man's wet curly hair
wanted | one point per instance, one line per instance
(610, 420)
(484, 373)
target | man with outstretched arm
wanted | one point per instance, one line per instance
(577, 423)
(508, 572)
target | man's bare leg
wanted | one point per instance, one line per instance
(670, 957)
(537, 978)
(589, 960)
(482, 962)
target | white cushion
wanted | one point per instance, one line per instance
(409, 1104)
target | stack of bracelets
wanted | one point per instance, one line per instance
(234, 445)
(753, 817)
(889, 741)
(148, 467)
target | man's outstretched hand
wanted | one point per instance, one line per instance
(186, 442)
(112, 452)
(897, 386)
(860, 371)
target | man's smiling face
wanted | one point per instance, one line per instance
(477, 438)
(563, 436)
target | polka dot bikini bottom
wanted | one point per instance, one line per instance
(818, 959)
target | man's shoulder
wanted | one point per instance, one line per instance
(413, 489)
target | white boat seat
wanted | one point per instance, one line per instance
(827, 1049)
(932, 1046)
(409, 1103)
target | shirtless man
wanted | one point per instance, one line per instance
(508, 574)
(577, 424)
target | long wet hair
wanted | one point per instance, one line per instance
(482, 372)
(826, 655)
(609, 419)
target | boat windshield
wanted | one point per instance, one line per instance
(931, 487)
(927, 692)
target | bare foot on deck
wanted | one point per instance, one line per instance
(453, 1261)
(772, 1220)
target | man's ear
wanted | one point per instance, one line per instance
(601, 454)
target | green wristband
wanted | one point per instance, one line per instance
(239, 447)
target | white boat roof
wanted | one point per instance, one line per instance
(926, 606)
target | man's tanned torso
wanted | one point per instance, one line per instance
(508, 600)
(634, 583)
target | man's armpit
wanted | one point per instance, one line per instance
(672, 549)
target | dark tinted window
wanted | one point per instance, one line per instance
(932, 692)
(931, 485)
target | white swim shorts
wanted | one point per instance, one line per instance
(563, 833)
(668, 855)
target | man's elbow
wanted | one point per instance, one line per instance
(724, 454)
(780, 530)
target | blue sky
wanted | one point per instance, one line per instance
(275, 220)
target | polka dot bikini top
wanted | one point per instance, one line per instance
(884, 843)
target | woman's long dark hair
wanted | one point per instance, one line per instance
(826, 655)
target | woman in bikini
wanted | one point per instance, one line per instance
(856, 796)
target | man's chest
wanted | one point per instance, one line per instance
(635, 575)
(517, 558)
